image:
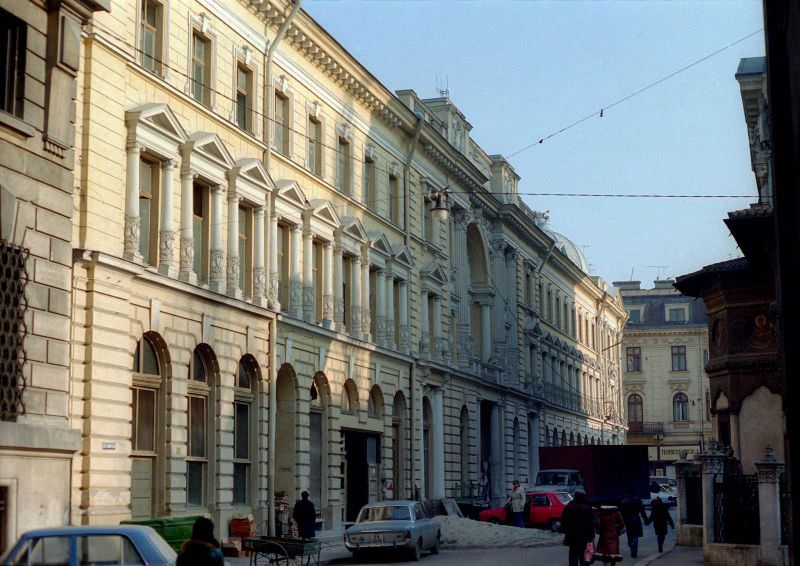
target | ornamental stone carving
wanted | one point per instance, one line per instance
(259, 280)
(187, 254)
(132, 228)
(233, 272)
(166, 246)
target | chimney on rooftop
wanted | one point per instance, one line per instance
(664, 284)
(628, 285)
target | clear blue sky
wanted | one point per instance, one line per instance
(522, 70)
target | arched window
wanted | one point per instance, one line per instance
(349, 397)
(200, 414)
(375, 403)
(635, 411)
(680, 407)
(246, 379)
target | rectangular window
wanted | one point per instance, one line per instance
(144, 420)
(368, 182)
(13, 32)
(314, 156)
(244, 98)
(246, 250)
(151, 35)
(373, 304)
(201, 69)
(196, 457)
(343, 166)
(316, 267)
(200, 231)
(634, 355)
(148, 211)
(396, 300)
(635, 316)
(283, 244)
(677, 314)
(393, 212)
(281, 128)
(241, 461)
(678, 358)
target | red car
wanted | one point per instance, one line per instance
(542, 508)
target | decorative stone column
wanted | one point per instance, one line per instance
(217, 267)
(259, 271)
(132, 220)
(425, 338)
(713, 470)
(366, 316)
(392, 339)
(355, 297)
(338, 297)
(327, 275)
(295, 280)
(380, 307)
(405, 338)
(234, 261)
(308, 275)
(272, 267)
(187, 268)
(769, 508)
(461, 284)
(166, 243)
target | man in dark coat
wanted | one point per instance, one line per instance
(660, 517)
(577, 522)
(305, 516)
(632, 509)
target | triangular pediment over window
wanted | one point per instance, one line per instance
(403, 256)
(354, 228)
(159, 117)
(323, 209)
(211, 146)
(434, 272)
(380, 243)
(253, 170)
(290, 191)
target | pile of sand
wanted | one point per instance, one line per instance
(466, 533)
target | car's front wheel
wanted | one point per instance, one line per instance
(555, 525)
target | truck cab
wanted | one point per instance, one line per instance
(565, 479)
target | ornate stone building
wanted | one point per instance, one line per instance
(287, 277)
(665, 386)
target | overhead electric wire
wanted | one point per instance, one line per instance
(628, 97)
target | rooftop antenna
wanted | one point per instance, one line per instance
(659, 267)
(631, 277)
(443, 84)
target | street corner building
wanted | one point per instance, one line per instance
(275, 275)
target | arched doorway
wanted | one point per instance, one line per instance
(319, 438)
(399, 461)
(286, 433)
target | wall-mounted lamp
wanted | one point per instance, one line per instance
(439, 206)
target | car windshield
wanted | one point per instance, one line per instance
(553, 478)
(384, 513)
(564, 497)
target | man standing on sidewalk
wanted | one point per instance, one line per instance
(631, 509)
(517, 501)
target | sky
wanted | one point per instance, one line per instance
(522, 70)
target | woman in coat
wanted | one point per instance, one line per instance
(610, 525)
(660, 517)
(633, 514)
(202, 549)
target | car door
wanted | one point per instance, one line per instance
(423, 525)
(540, 509)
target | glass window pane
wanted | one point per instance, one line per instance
(240, 483)
(48, 550)
(197, 427)
(199, 367)
(149, 359)
(241, 110)
(244, 374)
(107, 549)
(145, 423)
(195, 472)
(242, 431)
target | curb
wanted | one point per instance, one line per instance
(652, 558)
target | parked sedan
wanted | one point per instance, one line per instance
(393, 526)
(75, 546)
(542, 509)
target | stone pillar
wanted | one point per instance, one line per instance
(392, 340)
(217, 268)
(424, 340)
(769, 508)
(259, 272)
(405, 339)
(713, 469)
(355, 297)
(132, 220)
(187, 268)
(486, 332)
(308, 275)
(681, 474)
(461, 285)
(437, 444)
(365, 311)
(380, 307)
(272, 267)
(166, 245)
(295, 279)
(338, 297)
(327, 275)
(437, 327)
(512, 293)
(234, 261)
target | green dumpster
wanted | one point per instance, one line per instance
(174, 530)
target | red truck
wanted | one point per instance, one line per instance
(604, 472)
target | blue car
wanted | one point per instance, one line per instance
(128, 545)
(393, 526)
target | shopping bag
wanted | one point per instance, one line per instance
(588, 552)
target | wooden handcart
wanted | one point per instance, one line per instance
(282, 551)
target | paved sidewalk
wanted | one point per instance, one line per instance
(677, 556)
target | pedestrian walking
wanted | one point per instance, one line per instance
(610, 525)
(660, 517)
(515, 504)
(202, 549)
(577, 522)
(633, 513)
(305, 516)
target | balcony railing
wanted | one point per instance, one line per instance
(645, 428)
(569, 399)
